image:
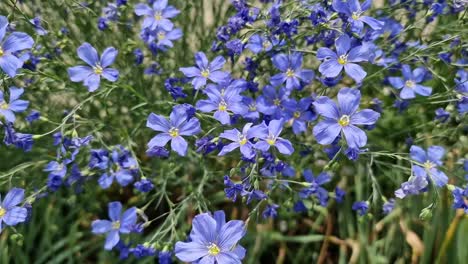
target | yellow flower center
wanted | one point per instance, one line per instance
(297, 114)
(290, 73)
(266, 45)
(343, 59)
(222, 106)
(356, 15)
(242, 140)
(271, 140)
(252, 108)
(116, 225)
(276, 102)
(429, 165)
(161, 35)
(98, 70)
(344, 120)
(174, 132)
(410, 83)
(158, 16)
(213, 249)
(2, 212)
(3, 105)
(1, 52)
(205, 73)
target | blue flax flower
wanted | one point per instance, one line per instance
(91, 75)
(178, 125)
(213, 240)
(158, 16)
(272, 102)
(410, 83)
(15, 105)
(10, 213)
(428, 163)
(119, 224)
(222, 101)
(123, 170)
(415, 185)
(291, 71)
(299, 114)
(361, 207)
(345, 57)
(354, 10)
(460, 197)
(259, 43)
(15, 42)
(343, 119)
(315, 186)
(270, 137)
(242, 139)
(205, 70)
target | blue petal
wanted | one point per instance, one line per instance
(179, 145)
(407, 93)
(158, 123)
(218, 76)
(330, 68)
(326, 107)
(198, 82)
(124, 177)
(275, 127)
(284, 146)
(355, 71)
(355, 137)
(143, 10)
(112, 239)
(17, 41)
(223, 117)
(110, 74)
(365, 117)
(281, 62)
(13, 198)
(396, 82)
(204, 229)
(3, 27)
(15, 215)
(190, 128)
(79, 73)
(108, 57)
(88, 54)
(201, 60)
(228, 148)
(217, 63)
(422, 90)
(372, 22)
(190, 252)
(325, 54)
(230, 234)
(435, 154)
(92, 82)
(325, 132)
(342, 43)
(10, 64)
(439, 178)
(418, 154)
(115, 209)
(170, 12)
(101, 226)
(159, 140)
(128, 220)
(348, 100)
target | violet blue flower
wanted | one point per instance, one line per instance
(410, 82)
(242, 139)
(343, 119)
(179, 125)
(354, 10)
(157, 16)
(259, 43)
(291, 71)
(315, 186)
(119, 224)
(10, 213)
(428, 163)
(222, 101)
(299, 114)
(415, 185)
(205, 70)
(361, 207)
(345, 57)
(272, 102)
(16, 41)
(15, 105)
(271, 137)
(213, 240)
(91, 75)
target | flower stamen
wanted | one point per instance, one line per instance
(344, 120)
(174, 132)
(213, 249)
